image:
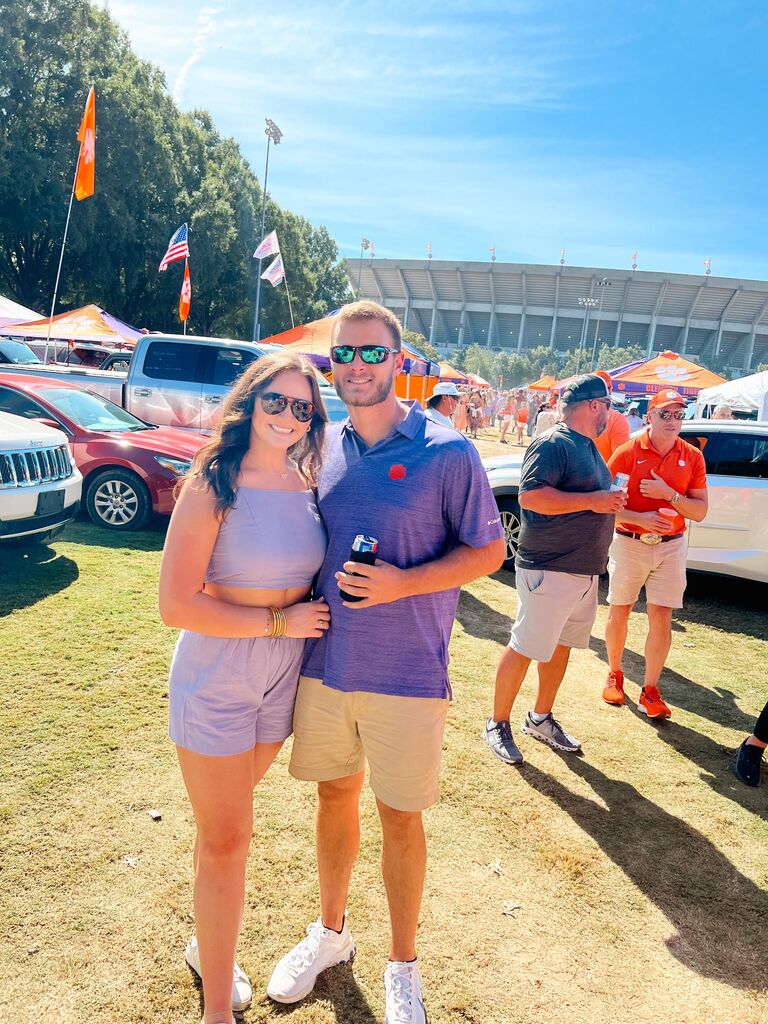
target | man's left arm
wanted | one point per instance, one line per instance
(691, 505)
(383, 583)
(472, 516)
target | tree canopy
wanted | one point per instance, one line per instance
(156, 167)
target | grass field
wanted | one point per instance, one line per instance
(626, 885)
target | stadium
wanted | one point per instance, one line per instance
(518, 306)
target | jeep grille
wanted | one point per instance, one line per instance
(36, 466)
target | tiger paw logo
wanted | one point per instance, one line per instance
(397, 472)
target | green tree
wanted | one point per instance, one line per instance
(155, 168)
(416, 340)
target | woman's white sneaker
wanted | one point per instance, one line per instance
(242, 993)
(402, 989)
(295, 975)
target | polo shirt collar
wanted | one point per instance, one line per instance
(409, 426)
(645, 442)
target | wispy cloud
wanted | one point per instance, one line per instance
(206, 25)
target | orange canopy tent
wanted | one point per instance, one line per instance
(89, 323)
(545, 383)
(417, 380)
(451, 374)
(666, 370)
(477, 381)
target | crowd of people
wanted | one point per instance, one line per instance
(314, 574)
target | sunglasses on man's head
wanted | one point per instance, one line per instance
(669, 414)
(371, 354)
(273, 403)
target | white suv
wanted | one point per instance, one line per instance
(733, 539)
(40, 486)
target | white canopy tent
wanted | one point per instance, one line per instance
(747, 394)
(12, 313)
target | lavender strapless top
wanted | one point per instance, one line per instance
(269, 540)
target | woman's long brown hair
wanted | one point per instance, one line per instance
(218, 462)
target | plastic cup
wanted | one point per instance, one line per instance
(668, 512)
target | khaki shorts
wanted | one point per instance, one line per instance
(556, 608)
(401, 737)
(660, 568)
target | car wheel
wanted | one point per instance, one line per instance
(510, 521)
(118, 499)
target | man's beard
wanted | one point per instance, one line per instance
(380, 394)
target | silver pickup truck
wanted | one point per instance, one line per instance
(176, 381)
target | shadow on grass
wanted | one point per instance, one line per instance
(31, 574)
(718, 914)
(723, 602)
(482, 620)
(719, 706)
(83, 531)
(338, 987)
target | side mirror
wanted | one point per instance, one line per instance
(47, 422)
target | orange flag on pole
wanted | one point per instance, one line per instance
(86, 161)
(185, 299)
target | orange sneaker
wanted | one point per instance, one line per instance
(613, 692)
(651, 703)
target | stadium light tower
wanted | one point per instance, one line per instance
(602, 284)
(274, 135)
(364, 246)
(587, 303)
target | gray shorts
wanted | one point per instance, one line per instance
(226, 695)
(556, 608)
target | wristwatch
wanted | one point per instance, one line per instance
(675, 498)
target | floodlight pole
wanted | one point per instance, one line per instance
(587, 303)
(364, 246)
(273, 134)
(603, 283)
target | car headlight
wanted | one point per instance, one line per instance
(177, 466)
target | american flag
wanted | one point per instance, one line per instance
(177, 248)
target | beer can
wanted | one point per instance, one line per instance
(620, 482)
(364, 545)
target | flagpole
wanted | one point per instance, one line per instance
(186, 264)
(288, 292)
(61, 257)
(273, 134)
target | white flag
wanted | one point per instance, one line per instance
(269, 246)
(274, 272)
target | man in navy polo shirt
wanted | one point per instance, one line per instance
(375, 687)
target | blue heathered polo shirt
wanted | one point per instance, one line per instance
(421, 492)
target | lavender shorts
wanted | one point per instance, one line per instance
(227, 695)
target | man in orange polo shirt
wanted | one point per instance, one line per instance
(616, 429)
(667, 485)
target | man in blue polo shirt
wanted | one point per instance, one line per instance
(375, 687)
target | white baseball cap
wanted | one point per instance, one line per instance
(446, 388)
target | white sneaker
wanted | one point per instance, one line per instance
(242, 993)
(295, 975)
(402, 987)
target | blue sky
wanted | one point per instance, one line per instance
(600, 127)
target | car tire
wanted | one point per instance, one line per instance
(509, 509)
(118, 500)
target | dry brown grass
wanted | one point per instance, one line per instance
(628, 885)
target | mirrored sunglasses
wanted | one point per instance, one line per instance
(669, 414)
(371, 354)
(274, 403)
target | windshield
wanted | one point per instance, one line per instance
(19, 353)
(91, 412)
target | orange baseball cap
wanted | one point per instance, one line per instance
(606, 377)
(666, 398)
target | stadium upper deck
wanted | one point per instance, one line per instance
(516, 306)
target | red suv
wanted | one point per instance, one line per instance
(129, 467)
